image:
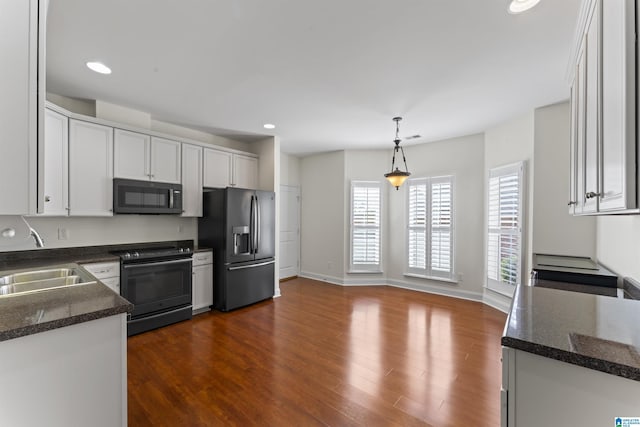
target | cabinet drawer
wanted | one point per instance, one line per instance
(103, 270)
(202, 258)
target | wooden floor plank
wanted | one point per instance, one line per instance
(323, 355)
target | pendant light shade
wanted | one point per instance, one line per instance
(397, 177)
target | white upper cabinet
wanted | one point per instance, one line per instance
(90, 169)
(191, 180)
(19, 106)
(604, 150)
(217, 168)
(223, 169)
(245, 171)
(56, 164)
(165, 160)
(592, 101)
(618, 152)
(131, 155)
(142, 157)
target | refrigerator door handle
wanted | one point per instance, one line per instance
(257, 225)
(242, 267)
(251, 226)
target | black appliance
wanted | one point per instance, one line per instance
(239, 225)
(145, 197)
(157, 282)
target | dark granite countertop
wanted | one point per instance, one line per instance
(593, 331)
(27, 314)
(31, 313)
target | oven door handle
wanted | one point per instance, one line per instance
(262, 264)
(165, 262)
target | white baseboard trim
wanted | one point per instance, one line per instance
(449, 291)
(322, 278)
(487, 297)
(497, 301)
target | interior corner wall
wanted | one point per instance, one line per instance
(508, 143)
(462, 158)
(555, 231)
(618, 244)
(322, 216)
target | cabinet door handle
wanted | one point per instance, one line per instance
(47, 198)
(572, 203)
(591, 195)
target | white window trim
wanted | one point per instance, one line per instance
(491, 284)
(373, 268)
(427, 272)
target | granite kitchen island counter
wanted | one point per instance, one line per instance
(570, 358)
(592, 331)
(64, 355)
(27, 314)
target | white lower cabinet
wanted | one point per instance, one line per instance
(107, 272)
(202, 284)
(71, 376)
(539, 391)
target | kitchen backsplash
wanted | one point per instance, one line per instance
(63, 232)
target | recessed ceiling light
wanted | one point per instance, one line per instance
(269, 126)
(99, 67)
(519, 6)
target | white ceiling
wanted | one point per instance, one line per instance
(330, 74)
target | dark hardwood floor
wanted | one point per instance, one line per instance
(323, 355)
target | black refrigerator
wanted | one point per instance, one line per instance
(239, 225)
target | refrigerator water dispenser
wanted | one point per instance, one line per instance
(241, 240)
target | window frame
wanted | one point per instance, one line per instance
(365, 268)
(500, 286)
(428, 271)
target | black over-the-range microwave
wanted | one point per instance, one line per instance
(146, 197)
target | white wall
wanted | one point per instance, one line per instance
(463, 158)
(618, 244)
(366, 165)
(289, 170)
(87, 231)
(507, 143)
(322, 216)
(554, 230)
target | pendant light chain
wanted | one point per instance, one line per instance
(396, 177)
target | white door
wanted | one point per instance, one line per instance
(289, 231)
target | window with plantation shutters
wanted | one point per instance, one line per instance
(365, 226)
(430, 227)
(504, 228)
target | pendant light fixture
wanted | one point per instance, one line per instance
(397, 177)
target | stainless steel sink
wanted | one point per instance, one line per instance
(30, 276)
(27, 281)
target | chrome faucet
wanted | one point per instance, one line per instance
(34, 234)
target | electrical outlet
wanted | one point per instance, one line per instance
(329, 265)
(460, 277)
(63, 234)
(180, 228)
